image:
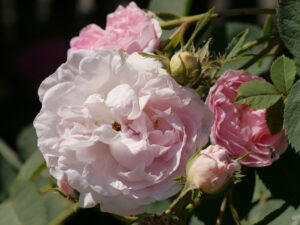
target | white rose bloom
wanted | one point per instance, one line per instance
(117, 129)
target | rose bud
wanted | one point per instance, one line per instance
(184, 66)
(65, 188)
(212, 170)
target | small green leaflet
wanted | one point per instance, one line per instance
(283, 72)
(257, 94)
(235, 45)
(288, 26)
(292, 116)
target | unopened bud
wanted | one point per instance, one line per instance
(65, 188)
(184, 67)
(212, 170)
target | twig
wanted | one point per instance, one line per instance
(227, 13)
(222, 211)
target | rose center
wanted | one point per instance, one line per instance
(116, 126)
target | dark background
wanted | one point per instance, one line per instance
(34, 37)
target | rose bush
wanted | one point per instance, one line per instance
(212, 169)
(239, 128)
(118, 128)
(128, 28)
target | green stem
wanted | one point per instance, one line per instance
(259, 41)
(126, 219)
(184, 204)
(234, 213)
(222, 211)
(227, 13)
(261, 54)
(187, 19)
(244, 12)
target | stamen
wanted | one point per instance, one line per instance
(116, 126)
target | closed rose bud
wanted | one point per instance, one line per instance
(212, 170)
(65, 188)
(184, 66)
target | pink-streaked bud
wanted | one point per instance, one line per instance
(65, 188)
(212, 170)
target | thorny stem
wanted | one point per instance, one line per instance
(222, 211)
(227, 13)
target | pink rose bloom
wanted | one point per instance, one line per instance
(239, 128)
(118, 128)
(128, 28)
(212, 170)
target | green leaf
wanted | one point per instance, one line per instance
(200, 25)
(257, 94)
(261, 209)
(292, 116)
(180, 7)
(7, 176)
(203, 52)
(268, 25)
(27, 142)
(289, 29)
(166, 16)
(195, 221)
(273, 212)
(159, 206)
(235, 45)
(10, 155)
(283, 72)
(222, 35)
(24, 207)
(272, 215)
(175, 40)
(261, 192)
(274, 117)
(257, 68)
(32, 167)
(58, 208)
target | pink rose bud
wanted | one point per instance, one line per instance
(128, 28)
(239, 128)
(65, 188)
(184, 66)
(212, 170)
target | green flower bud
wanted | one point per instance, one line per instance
(184, 66)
